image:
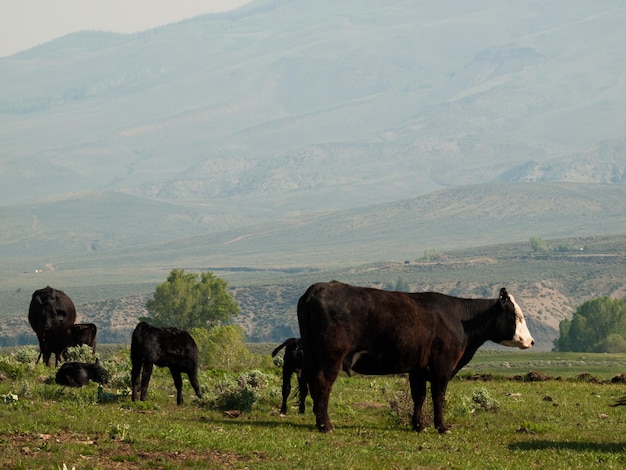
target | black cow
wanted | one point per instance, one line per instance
(292, 364)
(77, 374)
(429, 335)
(50, 308)
(57, 340)
(165, 347)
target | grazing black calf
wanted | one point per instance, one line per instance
(77, 374)
(292, 364)
(165, 347)
(57, 340)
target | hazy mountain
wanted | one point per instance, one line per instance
(315, 124)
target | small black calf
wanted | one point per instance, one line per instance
(77, 374)
(292, 364)
(57, 340)
(164, 347)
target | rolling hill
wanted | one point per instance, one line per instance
(296, 135)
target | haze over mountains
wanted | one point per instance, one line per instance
(312, 132)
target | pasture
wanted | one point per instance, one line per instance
(498, 423)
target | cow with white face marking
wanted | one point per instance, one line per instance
(370, 331)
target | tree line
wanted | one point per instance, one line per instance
(201, 304)
(598, 325)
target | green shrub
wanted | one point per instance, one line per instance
(27, 355)
(118, 370)
(401, 406)
(82, 353)
(240, 393)
(483, 398)
(10, 368)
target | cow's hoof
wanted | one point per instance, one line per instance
(325, 428)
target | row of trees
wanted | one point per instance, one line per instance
(598, 325)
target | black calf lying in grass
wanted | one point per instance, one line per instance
(77, 374)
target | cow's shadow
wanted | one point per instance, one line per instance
(606, 447)
(280, 422)
(225, 421)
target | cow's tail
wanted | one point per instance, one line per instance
(304, 310)
(285, 343)
(95, 333)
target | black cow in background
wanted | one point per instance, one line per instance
(292, 364)
(57, 340)
(164, 347)
(77, 374)
(50, 308)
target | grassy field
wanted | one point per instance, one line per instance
(498, 423)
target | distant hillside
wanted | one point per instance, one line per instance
(320, 105)
(90, 232)
(548, 284)
(295, 138)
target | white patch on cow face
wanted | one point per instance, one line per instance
(521, 338)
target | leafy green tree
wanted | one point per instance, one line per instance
(402, 285)
(537, 244)
(597, 325)
(603, 315)
(187, 300)
(613, 343)
(578, 339)
(562, 343)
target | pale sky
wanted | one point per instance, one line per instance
(28, 23)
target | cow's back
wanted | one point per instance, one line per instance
(338, 319)
(163, 346)
(144, 345)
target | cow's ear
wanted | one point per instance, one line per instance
(504, 296)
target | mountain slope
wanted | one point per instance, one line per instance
(363, 93)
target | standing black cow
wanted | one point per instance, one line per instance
(77, 374)
(57, 340)
(165, 347)
(429, 335)
(50, 308)
(292, 364)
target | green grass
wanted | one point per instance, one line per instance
(565, 423)
(554, 364)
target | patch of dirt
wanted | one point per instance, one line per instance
(122, 455)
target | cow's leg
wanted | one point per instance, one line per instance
(134, 378)
(324, 380)
(145, 379)
(417, 382)
(286, 389)
(193, 380)
(178, 383)
(438, 391)
(303, 391)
